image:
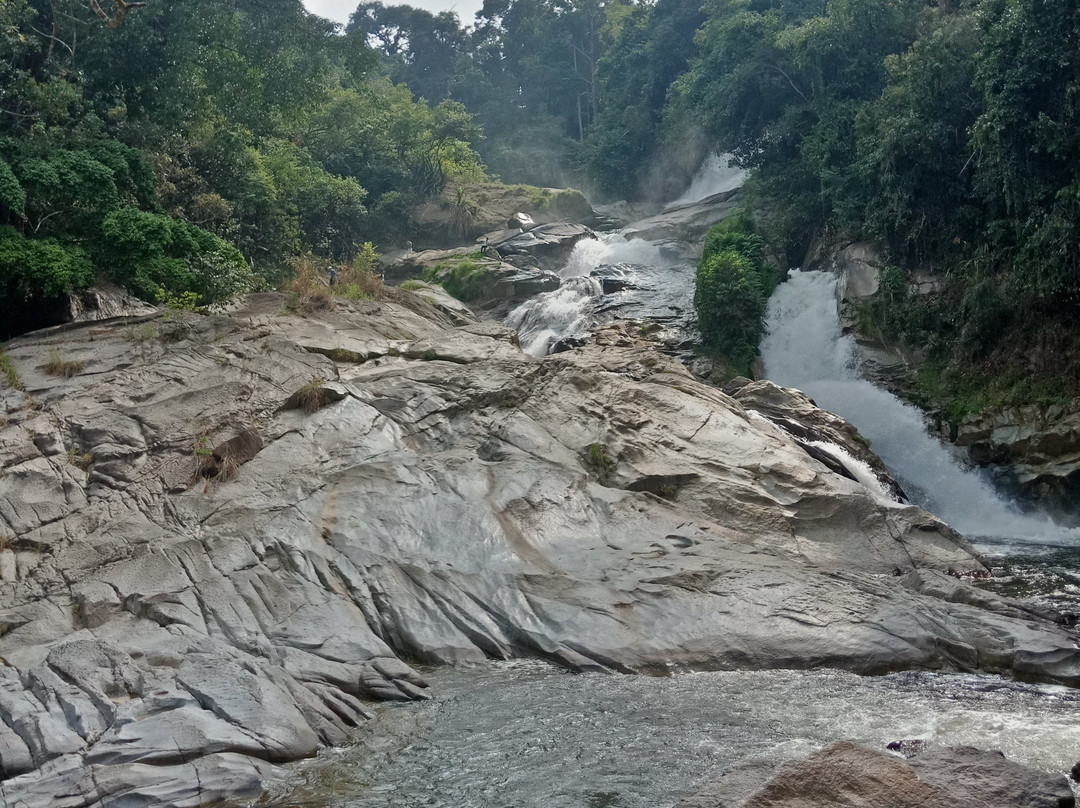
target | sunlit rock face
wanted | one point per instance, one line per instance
(224, 534)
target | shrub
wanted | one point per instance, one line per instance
(31, 268)
(150, 253)
(730, 305)
(732, 288)
(468, 281)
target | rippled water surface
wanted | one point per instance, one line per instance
(526, 734)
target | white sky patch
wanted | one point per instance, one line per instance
(339, 10)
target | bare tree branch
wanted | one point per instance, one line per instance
(122, 9)
(53, 38)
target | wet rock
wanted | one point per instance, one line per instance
(1037, 449)
(795, 413)
(613, 278)
(550, 244)
(685, 223)
(850, 775)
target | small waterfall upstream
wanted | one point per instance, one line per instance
(605, 279)
(716, 175)
(804, 348)
(619, 278)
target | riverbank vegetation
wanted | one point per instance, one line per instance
(732, 288)
(200, 148)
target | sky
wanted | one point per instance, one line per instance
(339, 10)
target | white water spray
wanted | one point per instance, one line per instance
(716, 175)
(569, 310)
(805, 349)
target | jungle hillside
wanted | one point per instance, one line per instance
(190, 151)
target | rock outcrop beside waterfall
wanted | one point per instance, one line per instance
(224, 534)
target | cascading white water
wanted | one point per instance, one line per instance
(549, 317)
(805, 348)
(716, 175)
(568, 311)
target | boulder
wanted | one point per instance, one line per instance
(550, 244)
(849, 776)
(685, 223)
(105, 301)
(520, 221)
(1036, 449)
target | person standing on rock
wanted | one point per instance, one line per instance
(333, 275)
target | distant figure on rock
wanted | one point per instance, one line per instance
(333, 275)
(484, 243)
(408, 248)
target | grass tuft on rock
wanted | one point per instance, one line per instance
(9, 371)
(312, 397)
(56, 365)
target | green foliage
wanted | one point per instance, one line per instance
(275, 137)
(413, 285)
(651, 46)
(732, 287)
(12, 375)
(600, 462)
(466, 280)
(154, 256)
(12, 195)
(31, 269)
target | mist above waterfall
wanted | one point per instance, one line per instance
(805, 348)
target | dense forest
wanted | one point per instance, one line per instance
(197, 148)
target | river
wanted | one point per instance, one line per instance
(527, 734)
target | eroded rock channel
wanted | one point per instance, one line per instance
(225, 535)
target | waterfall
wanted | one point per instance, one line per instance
(564, 312)
(805, 348)
(573, 309)
(716, 175)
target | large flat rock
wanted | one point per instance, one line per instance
(406, 491)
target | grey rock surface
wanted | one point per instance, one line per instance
(550, 244)
(849, 776)
(168, 634)
(1038, 446)
(685, 224)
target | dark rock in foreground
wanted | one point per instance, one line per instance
(850, 776)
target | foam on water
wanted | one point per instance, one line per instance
(567, 311)
(527, 734)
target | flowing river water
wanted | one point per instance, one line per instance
(527, 734)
